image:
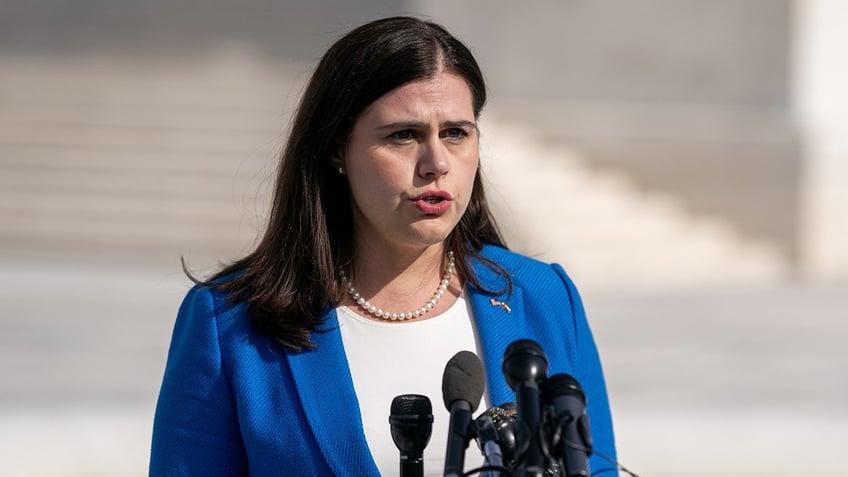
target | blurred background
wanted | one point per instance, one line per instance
(685, 160)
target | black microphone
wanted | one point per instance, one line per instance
(411, 421)
(487, 439)
(572, 440)
(503, 419)
(462, 388)
(525, 367)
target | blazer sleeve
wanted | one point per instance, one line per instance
(590, 375)
(195, 429)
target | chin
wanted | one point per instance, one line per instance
(426, 233)
(432, 237)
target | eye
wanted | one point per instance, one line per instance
(404, 135)
(454, 133)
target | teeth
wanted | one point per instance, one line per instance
(433, 200)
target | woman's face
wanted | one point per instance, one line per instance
(411, 163)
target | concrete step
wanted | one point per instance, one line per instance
(134, 138)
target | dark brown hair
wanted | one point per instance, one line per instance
(291, 278)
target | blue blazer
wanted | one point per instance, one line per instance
(234, 403)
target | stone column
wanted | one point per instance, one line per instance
(821, 105)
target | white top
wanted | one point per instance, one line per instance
(388, 359)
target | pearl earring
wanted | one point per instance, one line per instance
(341, 171)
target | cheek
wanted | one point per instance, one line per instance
(469, 173)
(375, 186)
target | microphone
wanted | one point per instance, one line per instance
(525, 367)
(411, 421)
(572, 439)
(502, 419)
(462, 388)
(487, 439)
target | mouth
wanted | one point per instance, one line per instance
(433, 202)
(434, 197)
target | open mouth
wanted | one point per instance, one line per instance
(434, 196)
(434, 202)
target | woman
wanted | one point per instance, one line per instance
(380, 261)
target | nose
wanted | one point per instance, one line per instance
(434, 161)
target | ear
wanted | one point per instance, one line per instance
(338, 164)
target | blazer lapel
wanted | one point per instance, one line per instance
(323, 381)
(500, 320)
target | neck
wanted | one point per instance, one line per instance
(402, 280)
(384, 267)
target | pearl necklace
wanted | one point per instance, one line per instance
(387, 315)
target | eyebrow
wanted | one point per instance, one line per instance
(420, 125)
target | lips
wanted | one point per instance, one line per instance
(435, 202)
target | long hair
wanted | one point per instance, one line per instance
(292, 276)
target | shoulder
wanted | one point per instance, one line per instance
(526, 271)
(208, 308)
(208, 299)
(506, 257)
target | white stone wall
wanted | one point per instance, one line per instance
(821, 105)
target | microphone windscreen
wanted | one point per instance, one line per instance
(562, 385)
(411, 404)
(463, 380)
(411, 422)
(524, 362)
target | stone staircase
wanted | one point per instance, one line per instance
(605, 230)
(142, 161)
(147, 159)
